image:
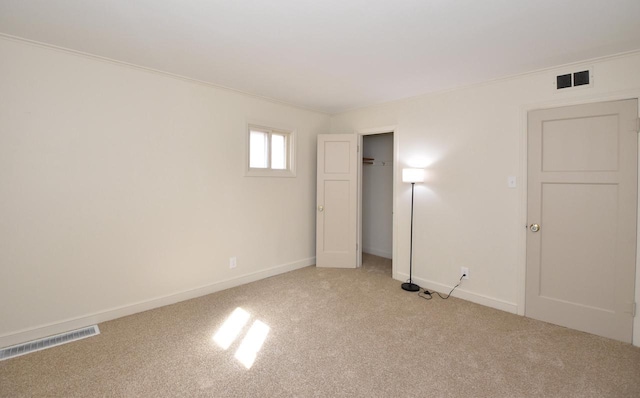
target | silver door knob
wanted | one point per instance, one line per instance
(320, 208)
(534, 228)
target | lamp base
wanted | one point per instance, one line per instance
(410, 287)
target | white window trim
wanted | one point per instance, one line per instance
(290, 171)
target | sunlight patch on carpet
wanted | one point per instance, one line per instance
(252, 343)
(231, 328)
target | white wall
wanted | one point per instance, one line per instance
(377, 195)
(122, 189)
(470, 140)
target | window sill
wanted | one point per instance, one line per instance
(269, 173)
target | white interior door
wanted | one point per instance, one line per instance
(337, 195)
(582, 203)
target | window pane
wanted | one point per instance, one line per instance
(278, 151)
(258, 150)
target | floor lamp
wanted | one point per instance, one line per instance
(412, 176)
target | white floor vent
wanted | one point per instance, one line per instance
(47, 342)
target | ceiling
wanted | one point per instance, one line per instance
(333, 55)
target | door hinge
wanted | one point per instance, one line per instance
(358, 150)
(638, 125)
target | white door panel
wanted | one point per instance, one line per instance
(582, 192)
(336, 221)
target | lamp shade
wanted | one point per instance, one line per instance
(412, 175)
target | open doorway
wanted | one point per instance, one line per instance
(376, 201)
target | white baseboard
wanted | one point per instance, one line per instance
(376, 252)
(462, 294)
(38, 332)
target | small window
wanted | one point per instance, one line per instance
(271, 152)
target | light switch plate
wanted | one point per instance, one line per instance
(511, 182)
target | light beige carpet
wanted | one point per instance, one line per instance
(333, 333)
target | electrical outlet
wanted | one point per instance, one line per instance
(232, 262)
(464, 271)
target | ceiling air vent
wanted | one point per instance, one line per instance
(47, 342)
(575, 79)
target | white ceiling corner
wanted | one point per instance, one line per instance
(333, 55)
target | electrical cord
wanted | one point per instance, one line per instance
(427, 295)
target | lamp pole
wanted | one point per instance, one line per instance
(410, 286)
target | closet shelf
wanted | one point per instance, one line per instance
(372, 162)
